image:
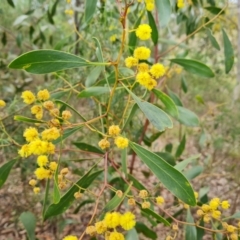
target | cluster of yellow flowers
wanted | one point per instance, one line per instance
(112, 221)
(114, 132)
(70, 237)
(149, 4)
(180, 3)
(2, 103)
(145, 75)
(232, 231)
(144, 32)
(212, 210)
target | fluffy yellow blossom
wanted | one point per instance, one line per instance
(143, 78)
(69, 12)
(214, 203)
(216, 214)
(119, 193)
(225, 204)
(143, 32)
(43, 95)
(234, 236)
(151, 84)
(142, 53)
(146, 205)
(36, 190)
(200, 212)
(157, 70)
(196, 195)
(175, 227)
(39, 115)
(77, 195)
(180, 3)
(64, 171)
(127, 221)
(54, 112)
(30, 134)
(112, 220)
(37, 147)
(131, 62)
(54, 123)
(121, 142)
(68, 1)
(48, 105)
(66, 115)
(2, 103)
(143, 67)
(50, 134)
(206, 218)
(131, 202)
(231, 228)
(116, 236)
(113, 38)
(42, 160)
(114, 130)
(90, 230)
(206, 208)
(42, 173)
(50, 148)
(62, 185)
(28, 97)
(36, 109)
(32, 182)
(160, 200)
(143, 194)
(150, 6)
(169, 238)
(104, 143)
(101, 227)
(25, 151)
(70, 237)
(53, 166)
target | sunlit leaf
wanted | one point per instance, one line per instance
(164, 11)
(26, 119)
(181, 147)
(5, 170)
(212, 39)
(90, 7)
(191, 231)
(29, 222)
(153, 26)
(88, 148)
(187, 117)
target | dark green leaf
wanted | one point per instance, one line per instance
(228, 52)
(155, 115)
(90, 7)
(68, 198)
(147, 232)
(184, 84)
(172, 179)
(214, 10)
(164, 11)
(83, 203)
(88, 148)
(5, 170)
(4, 39)
(93, 92)
(153, 26)
(194, 67)
(132, 36)
(29, 222)
(131, 115)
(93, 76)
(212, 39)
(193, 172)
(181, 147)
(11, 3)
(168, 157)
(181, 165)
(191, 231)
(170, 106)
(56, 192)
(151, 213)
(175, 98)
(47, 61)
(26, 119)
(136, 183)
(54, 8)
(50, 19)
(187, 117)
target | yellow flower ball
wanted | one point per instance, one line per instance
(143, 67)
(36, 109)
(127, 221)
(131, 62)
(116, 236)
(225, 204)
(143, 32)
(2, 103)
(25, 151)
(42, 160)
(157, 70)
(121, 142)
(91, 230)
(31, 134)
(150, 6)
(101, 227)
(142, 53)
(28, 97)
(112, 220)
(32, 182)
(66, 115)
(42, 173)
(146, 205)
(36, 190)
(43, 95)
(70, 237)
(104, 143)
(53, 166)
(160, 200)
(143, 194)
(114, 130)
(50, 134)
(48, 105)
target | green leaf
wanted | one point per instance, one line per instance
(164, 11)
(132, 234)
(153, 26)
(175, 98)
(83, 203)
(47, 61)
(115, 201)
(29, 222)
(11, 3)
(68, 198)
(93, 92)
(235, 215)
(194, 67)
(184, 84)
(214, 10)
(5, 170)
(172, 179)
(191, 231)
(90, 7)
(228, 52)
(212, 39)
(147, 232)
(93, 76)
(193, 172)
(56, 192)
(167, 157)
(181, 165)
(155, 115)
(136, 183)
(131, 115)
(88, 148)
(167, 101)
(181, 147)
(187, 117)
(151, 213)
(54, 8)
(26, 119)
(67, 133)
